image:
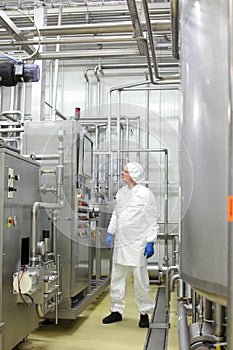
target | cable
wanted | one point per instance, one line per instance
(38, 32)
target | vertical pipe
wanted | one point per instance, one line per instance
(194, 301)
(173, 250)
(87, 94)
(166, 259)
(98, 89)
(109, 139)
(147, 129)
(201, 315)
(118, 138)
(51, 88)
(12, 98)
(218, 321)
(175, 28)
(58, 282)
(56, 71)
(208, 317)
(138, 138)
(180, 289)
(1, 99)
(183, 330)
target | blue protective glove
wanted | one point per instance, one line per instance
(149, 250)
(108, 241)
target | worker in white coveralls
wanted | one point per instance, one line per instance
(134, 228)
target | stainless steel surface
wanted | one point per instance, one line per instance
(72, 245)
(20, 319)
(204, 128)
(230, 186)
(197, 337)
(183, 330)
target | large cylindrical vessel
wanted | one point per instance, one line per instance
(204, 130)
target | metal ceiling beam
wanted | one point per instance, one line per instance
(11, 28)
(138, 31)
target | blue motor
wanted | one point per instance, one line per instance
(12, 73)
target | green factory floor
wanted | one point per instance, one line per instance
(88, 332)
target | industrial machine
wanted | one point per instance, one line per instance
(50, 237)
(75, 238)
(19, 189)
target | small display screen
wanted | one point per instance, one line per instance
(87, 156)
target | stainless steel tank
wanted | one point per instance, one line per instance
(204, 130)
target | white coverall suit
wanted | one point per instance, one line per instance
(134, 224)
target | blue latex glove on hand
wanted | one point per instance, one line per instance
(108, 241)
(149, 250)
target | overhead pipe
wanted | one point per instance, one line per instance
(143, 44)
(94, 28)
(151, 39)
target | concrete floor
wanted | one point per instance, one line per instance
(88, 332)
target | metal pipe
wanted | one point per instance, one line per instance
(155, 87)
(56, 72)
(36, 206)
(118, 138)
(183, 329)
(180, 289)
(175, 28)
(219, 314)
(109, 140)
(147, 122)
(94, 28)
(96, 69)
(53, 206)
(194, 310)
(166, 258)
(50, 89)
(143, 44)
(208, 314)
(167, 289)
(172, 282)
(14, 130)
(151, 39)
(87, 101)
(138, 138)
(62, 41)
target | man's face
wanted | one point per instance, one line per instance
(125, 175)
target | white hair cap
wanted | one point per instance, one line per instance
(136, 172)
